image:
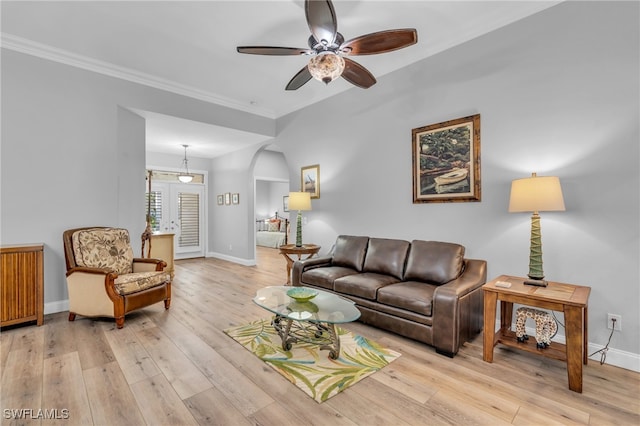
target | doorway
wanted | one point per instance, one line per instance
(178, 208)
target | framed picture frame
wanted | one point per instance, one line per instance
(235, 198)
(310, 180)
(227, 198)
(285, 203)
(220, 199)
(446, 161)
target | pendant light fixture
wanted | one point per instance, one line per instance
(185, 177)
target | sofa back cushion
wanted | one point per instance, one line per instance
(386, 257)
(349, 251)
(106, 248)
(434, 262)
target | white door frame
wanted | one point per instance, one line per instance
(204, 203)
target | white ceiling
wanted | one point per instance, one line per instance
(189, 47)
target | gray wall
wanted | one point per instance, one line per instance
(80, 154)
(272, 183)
(558, 95)
(269, 198)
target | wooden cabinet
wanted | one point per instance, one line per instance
(21, 284)
(161, 247)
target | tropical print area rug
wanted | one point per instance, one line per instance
(309, 368)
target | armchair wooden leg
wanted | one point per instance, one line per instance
(118, 312)
(167, 301)
(72, 316)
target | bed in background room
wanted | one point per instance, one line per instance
(272, 231)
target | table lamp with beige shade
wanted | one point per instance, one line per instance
(300, 201)
(536, 194)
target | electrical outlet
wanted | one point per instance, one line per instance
(230, 247)
(618, 323)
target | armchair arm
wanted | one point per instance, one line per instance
(299, 266)
(88, 270)
(452, 316)
(92, 291)
(147, 265)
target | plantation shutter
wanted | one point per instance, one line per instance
(189, 217)
(154, 208)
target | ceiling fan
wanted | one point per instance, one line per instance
(329, 51)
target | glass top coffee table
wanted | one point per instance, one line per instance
(312, 321)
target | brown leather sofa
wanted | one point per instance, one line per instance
(424, 290)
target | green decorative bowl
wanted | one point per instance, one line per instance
(302, 294)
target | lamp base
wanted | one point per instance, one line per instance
(538, 283)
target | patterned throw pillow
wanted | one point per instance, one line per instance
(107, 248)
(274, 225)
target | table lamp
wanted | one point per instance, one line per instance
(536, 194)
(299, 201)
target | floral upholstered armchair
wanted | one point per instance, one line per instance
(105, 280)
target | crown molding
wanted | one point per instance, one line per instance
(29, 47)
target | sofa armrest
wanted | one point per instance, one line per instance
(299, 266)
(451, 317)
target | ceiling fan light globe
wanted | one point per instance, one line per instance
(326, 66)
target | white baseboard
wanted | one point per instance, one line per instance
(622, 359)
(55, 307)
(616, 357)
(245, 262)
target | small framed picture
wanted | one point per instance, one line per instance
(310, 180)
(220, 199)
(285, 203)
(227, 198)
(235, 198)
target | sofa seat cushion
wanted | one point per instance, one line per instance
(324, 277)
(373, 305)
(138, 281)
(434, 262)
(385, 256)
(363, 285)
(411, 295)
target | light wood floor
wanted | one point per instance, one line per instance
(177, 367)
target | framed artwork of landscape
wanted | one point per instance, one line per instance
(310, 180)
(446, 161)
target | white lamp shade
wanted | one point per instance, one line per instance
(299, 201)
(536, 194)
(185, 178)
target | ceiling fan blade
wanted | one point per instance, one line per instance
(299, 79)
(357, 75)
(277, 51)
(321, 18)
(380, 42)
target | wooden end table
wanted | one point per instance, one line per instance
(568, 298)
(289, 250)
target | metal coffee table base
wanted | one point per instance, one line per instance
(318, 333)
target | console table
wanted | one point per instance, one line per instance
(288, 250)
(568, 298)
(161, 247)
(21, 284)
